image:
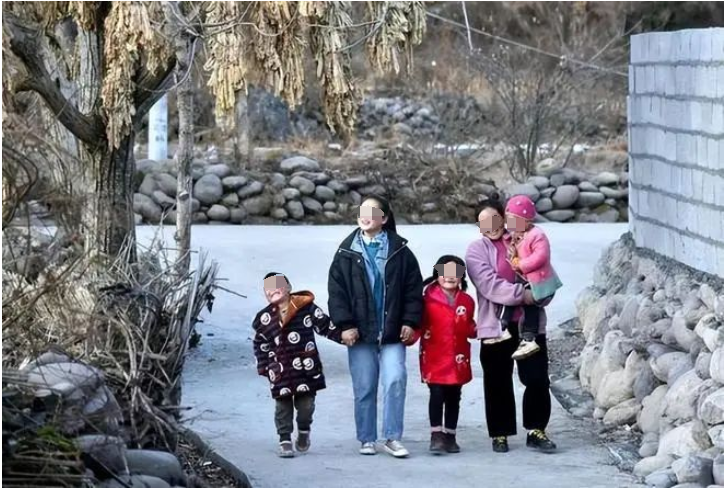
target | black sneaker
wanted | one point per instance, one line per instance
(450, 443)
(500, 444)
(537, 439)
(438, 443)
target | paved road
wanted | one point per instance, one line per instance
(233, 410)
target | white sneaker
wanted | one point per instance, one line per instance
(505, 336)
(395, 448)
(368, 448)
(525, 349)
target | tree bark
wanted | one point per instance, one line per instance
(108, 222)
(185, 107)
(242, 143)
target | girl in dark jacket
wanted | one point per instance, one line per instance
(446, 327)
(374, 290)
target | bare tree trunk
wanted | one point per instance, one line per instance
(108, 222)
(242, 143)
(185, 106)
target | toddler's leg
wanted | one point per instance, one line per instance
(305, 405)
(505, 316)
(284, 412)
(528, 332)
(530, 324)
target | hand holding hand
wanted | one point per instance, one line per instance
(407, 334)
(350, 336)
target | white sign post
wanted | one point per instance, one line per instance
(158, 116)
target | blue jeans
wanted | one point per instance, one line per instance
(366, 361)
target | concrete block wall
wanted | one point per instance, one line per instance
(676, 140)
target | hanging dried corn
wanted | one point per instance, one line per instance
(279, 48)
(329, 26)
(130, 40)
(227, 58)
(397, 28)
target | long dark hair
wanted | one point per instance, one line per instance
(494, 201)
(390, 225)
(443, 260)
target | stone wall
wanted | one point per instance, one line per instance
(298, 189)
(676, 144)
(653, 360)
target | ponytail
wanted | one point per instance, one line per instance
(443, 260)
(385, 206)
(494, 201)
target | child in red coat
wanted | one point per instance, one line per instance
(446, 326)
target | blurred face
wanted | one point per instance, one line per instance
(370, 217)
(517, 224)
(277, 291)
(450, 275)
(491, 224)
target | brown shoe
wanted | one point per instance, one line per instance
(302, 444)
(438, 442)
(450, 443)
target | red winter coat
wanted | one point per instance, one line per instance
(445, 331)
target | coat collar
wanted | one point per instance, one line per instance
(298, 301)
(395, 242)
(435, 293)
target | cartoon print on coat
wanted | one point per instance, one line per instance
(291, 361)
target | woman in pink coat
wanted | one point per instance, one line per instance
(494, 279)
(529, 255)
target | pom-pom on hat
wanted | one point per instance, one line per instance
(521, 206)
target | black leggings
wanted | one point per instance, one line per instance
(496, 360)
(444, 396)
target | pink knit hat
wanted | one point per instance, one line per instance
(521, 206)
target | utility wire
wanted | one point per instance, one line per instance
(562, 58)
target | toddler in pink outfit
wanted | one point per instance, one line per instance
(529, 256)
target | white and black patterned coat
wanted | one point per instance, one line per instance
(285, 349)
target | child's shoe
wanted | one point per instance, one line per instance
(450, 443)
(302, 444)
(503, 337)
(525, 349)
(285, 451)
(438, 442)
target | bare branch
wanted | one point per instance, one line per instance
(26, 46)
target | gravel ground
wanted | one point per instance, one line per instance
(203, 471)
(563, 352)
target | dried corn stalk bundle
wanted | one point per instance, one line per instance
(226, 59)
(84, 13)
(51, 12)
(329, 25)
(398, 28)
(279, 48)
(129, 35)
